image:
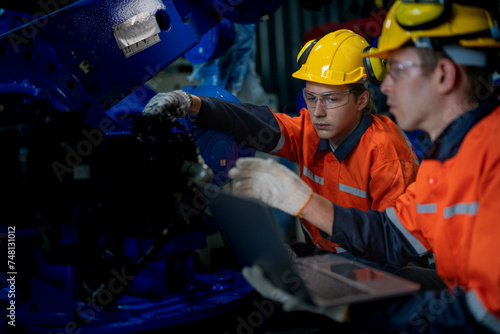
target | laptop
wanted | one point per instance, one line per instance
(248, 225)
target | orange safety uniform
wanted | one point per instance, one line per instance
(453, 210)
(369, 170)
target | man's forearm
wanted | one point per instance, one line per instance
(319, 212)
(368, 234)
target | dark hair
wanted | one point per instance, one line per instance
(358, 89)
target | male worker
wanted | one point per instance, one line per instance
(345, 151)
(441, 56)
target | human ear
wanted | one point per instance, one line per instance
(445, 75)
(363, 100)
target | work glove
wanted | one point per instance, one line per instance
(270, 182)
(174, 104)
(256, 278)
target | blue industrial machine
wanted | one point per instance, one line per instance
(103, 212)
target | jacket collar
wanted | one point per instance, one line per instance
(448, 142)
(348, 144)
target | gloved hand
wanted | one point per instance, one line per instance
(255, 277)
(270, 182)
(174, 104)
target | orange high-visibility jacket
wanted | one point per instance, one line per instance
(453, 210)
(369, 170)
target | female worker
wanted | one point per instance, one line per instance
(345, 152)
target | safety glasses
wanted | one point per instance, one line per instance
(329, 100)
(396, 70)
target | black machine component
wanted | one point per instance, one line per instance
(101, 221)
(103, 216)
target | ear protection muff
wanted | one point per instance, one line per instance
(305, 51)
(376, 68)
(422, 15)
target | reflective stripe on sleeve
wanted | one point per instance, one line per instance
(481, 313)
(461, 209)
(315, 178)
(352, 191)
(414, 242)
(427, 208)
(280, 144)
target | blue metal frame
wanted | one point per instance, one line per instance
(73, 52)
(88, 57)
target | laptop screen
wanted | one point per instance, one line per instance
(355, 272)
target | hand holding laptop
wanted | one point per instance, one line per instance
(321, 284)
(271, 182)
(255, 276)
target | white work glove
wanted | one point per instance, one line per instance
(255, 277)
(270, 182)
(174, 104)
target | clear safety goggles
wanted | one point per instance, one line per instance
(329, 100)
(396, 70)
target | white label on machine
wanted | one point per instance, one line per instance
(137, 33)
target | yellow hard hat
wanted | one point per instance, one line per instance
(334, 59)
(415, 21)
